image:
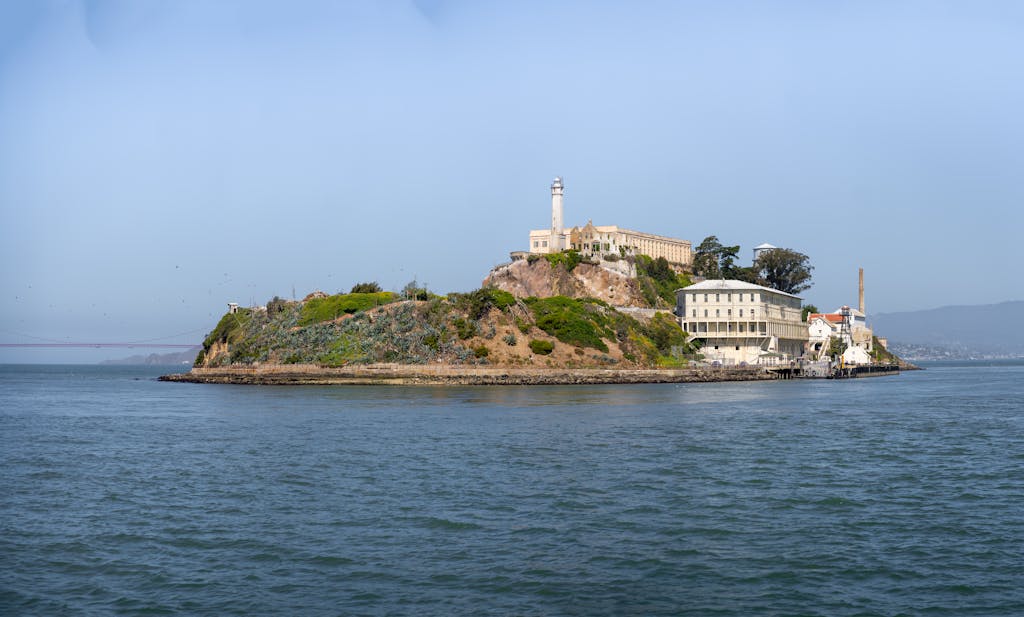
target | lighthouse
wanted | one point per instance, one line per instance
(557, 229)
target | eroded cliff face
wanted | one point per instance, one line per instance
(540, 279)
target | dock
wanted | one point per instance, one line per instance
(825, 370)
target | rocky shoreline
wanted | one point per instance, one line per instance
(398, 374)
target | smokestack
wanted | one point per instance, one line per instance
(860, 303)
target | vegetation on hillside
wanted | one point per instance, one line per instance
(230, 329)
(325, 309)
(658, 281)
(880, 354)
(569, 258)
(370, 287)
(463, 328)
(579, 322)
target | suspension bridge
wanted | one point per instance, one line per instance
(103, 345)
(39, 342)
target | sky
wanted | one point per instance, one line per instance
(160, 158)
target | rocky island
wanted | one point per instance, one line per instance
(590, 304)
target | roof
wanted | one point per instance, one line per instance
(733, 285)
(853, 312)
(765, 246)
(831, 317)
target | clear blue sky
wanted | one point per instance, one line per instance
(161, 158)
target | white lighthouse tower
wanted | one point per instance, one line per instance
(556, 243)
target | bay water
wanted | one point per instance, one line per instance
(900, 495)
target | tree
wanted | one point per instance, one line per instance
(713, 260)
(366, 288)
(785, 270)
(413, 291)
(748, 274)
(276, 305)
(836, 346)
(807, 310)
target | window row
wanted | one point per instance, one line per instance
(750, 297)
(728, 313)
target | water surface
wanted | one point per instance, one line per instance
(893, 495)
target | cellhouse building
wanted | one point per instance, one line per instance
(738, 322)
(601, 240)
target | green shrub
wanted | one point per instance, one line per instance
(665, 333)
(541, 348)
(366, 288)
(572, 321)
(481, 351)
(326, 309)
(570, 259)
(510, 339)
(477, 303)
(465, 328)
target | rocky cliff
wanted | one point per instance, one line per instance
(611, 282)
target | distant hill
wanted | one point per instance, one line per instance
(165, 359)
(986, 330)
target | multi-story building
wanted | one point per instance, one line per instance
(738, 322)
(602, 239)
(849, 325)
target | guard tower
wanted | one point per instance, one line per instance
(763, 248)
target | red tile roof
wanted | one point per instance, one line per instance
(833, 317)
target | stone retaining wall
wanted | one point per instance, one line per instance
(397, 374)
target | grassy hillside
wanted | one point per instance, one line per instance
(487, 326)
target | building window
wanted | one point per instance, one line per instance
(705, 297)
(737, 348)
(728, 312)
(535, 244)
(545, 243)
(705, 312)
(694, 312)
(728, 298)
(718, 297)
(741, 312)
(751, 312)
(718, 313)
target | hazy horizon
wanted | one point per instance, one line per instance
(160, 159)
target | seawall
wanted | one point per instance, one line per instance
(404, 374)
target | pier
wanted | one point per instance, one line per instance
(824, 370)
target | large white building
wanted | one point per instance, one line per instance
(739, 322)
(602, 239)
